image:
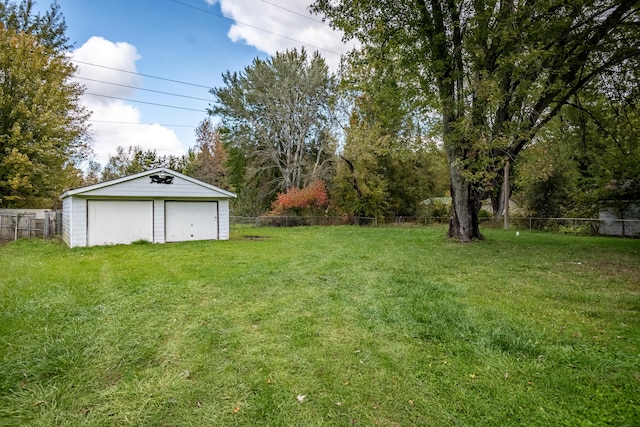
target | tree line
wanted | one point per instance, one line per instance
(476, 101)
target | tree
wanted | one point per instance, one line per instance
(277, 115)
(596, 166)
(387, 165)
(546, 177)
(209, 156)
(497, 71)
(43, 132)
(49, 29)
(134, 160)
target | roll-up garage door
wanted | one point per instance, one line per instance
(191, 221)
(119, 221)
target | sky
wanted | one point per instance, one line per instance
(136, 56)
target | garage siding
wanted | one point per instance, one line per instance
(223, 219)
(66, 220)
(143, 187)
(74, 221)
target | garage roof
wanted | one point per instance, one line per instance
(146, 184)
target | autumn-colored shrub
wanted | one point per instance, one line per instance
(300, 201)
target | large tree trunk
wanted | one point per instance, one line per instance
(464, 224)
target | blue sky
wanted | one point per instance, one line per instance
(190, 41)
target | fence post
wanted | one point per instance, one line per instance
(45, 226)
(15, 232)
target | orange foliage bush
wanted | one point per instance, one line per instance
(309, 199)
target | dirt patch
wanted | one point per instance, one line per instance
(251, 237)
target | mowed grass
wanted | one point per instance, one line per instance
(323, 326)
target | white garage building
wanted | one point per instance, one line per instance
(158, 206)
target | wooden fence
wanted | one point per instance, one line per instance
(14, 226)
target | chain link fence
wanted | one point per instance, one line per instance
(575, 226)
(299, 221)
(30, 225)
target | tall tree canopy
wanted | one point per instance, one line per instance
(277, 115)
(42, 125)
(497, 71)
(134, 159)
(208, 157)
(387, 164)
(597, 165)
(49, 28)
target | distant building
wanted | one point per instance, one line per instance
(622, 220)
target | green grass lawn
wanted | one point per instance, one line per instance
(323, 326)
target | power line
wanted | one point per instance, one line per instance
(145, 102)
(294, 12)
(140, 74)
(254, 27)
(147, 90)
(140, 124)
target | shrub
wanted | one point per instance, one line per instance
(296, 201)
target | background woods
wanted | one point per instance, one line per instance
(435, 101)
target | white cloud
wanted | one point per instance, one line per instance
(110, 113)
(263, 24)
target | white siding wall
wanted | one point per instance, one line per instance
(66, 220)
(79, 222)
(158, 222)
(143, 187)
(223, 219)
(74, 221)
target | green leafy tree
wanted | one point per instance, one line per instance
(48, 28)
(43, 132)
(387, 166)
(134, 160)
(546, 176)
(497, 72)
(596, 165)
(277, 114)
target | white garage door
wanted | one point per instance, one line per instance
(191, 221)
(119, 221)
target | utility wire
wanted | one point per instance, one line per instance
(140, 74)
(140, 124)
(294, 12)
(147, 90)
(254, 27)
(145, 102)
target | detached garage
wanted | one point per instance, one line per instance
(158, 205)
